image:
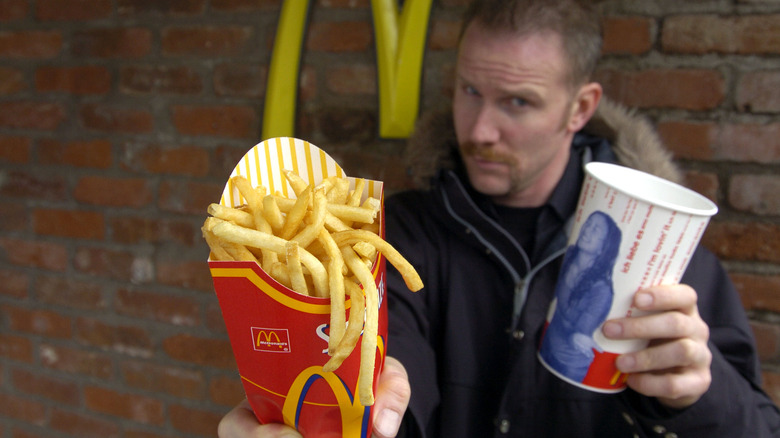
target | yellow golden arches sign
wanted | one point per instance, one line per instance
(400, 46)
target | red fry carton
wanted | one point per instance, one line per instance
(279, 337)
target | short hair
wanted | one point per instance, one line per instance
(576, 21)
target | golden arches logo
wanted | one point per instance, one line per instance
(270, 340)
(354, 416)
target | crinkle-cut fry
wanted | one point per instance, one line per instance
(370, 328)
(316, 222)
(410, 275)
(295, 215)
(259, 239)
(231, 214)
(297, 280)
(336, 286)
(272, 214)
(354, 327)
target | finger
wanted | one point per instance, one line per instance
(679, 354)
(660, 298)
(241, 422)
(393, 394)
(666, 325)
(676, 390)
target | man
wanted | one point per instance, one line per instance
(487, 237)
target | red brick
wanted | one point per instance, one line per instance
(76, 361)
(723, 142)
(134, 407)
(214, 320)
(744, 241)
(338, 37)
(129, 340)
(12, 81)
(116, 119)
(166, 159)
(159, 79)
(111, 263)
(194, 422)
(34, 44)
(226, 391)
(13, 10)
(144, 434)
(72, 10)
(352, 79)
(758, 292)
(14, 216)
(187, 274)
(115, 192)
(759, 91)
(767, 340)
(689, 89)
(129, 229)
(772, 385)
(22, 408)
(173, 381)
(167, 8)
(444, 34)
(75, 224)
(69, 292)
(45, 255)
(87, 79)
(188, 196)
(245, 80)
(234, 121)
(172, 309)
(225, 159)
(132, 42)
(207, 40)
(15, 149)
(699, 34)
(15, 284)
(37, 384)
(243, 5)
(31, 115)
(40, 322)
(16, 348)
(627, 35)
(78, 153)
(200, 351)
(81, 425)
(755, 193)
(705, 183)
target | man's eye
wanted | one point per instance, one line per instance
(518, 102)
(470, 90)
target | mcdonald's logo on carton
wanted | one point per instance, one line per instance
(270, 340)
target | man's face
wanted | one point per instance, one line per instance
(512, 108)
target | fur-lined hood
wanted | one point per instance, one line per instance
(433, 146)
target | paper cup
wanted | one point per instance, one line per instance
(631, 230)
(279, 337)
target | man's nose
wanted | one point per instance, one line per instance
(485, 129)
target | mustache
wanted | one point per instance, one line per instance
(470, 149)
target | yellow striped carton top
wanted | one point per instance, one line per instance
(264, 163)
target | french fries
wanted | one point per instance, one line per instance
(318, 243)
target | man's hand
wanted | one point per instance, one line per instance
(675, 367)
(393, 394)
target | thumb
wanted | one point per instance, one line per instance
(392, 398)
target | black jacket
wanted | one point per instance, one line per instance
(468, 340)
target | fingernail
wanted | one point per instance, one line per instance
(625, 363)
(644, 300)
(612, 329)
(387, 422)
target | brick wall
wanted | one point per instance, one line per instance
(121, 119)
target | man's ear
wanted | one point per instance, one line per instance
(584, 105)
